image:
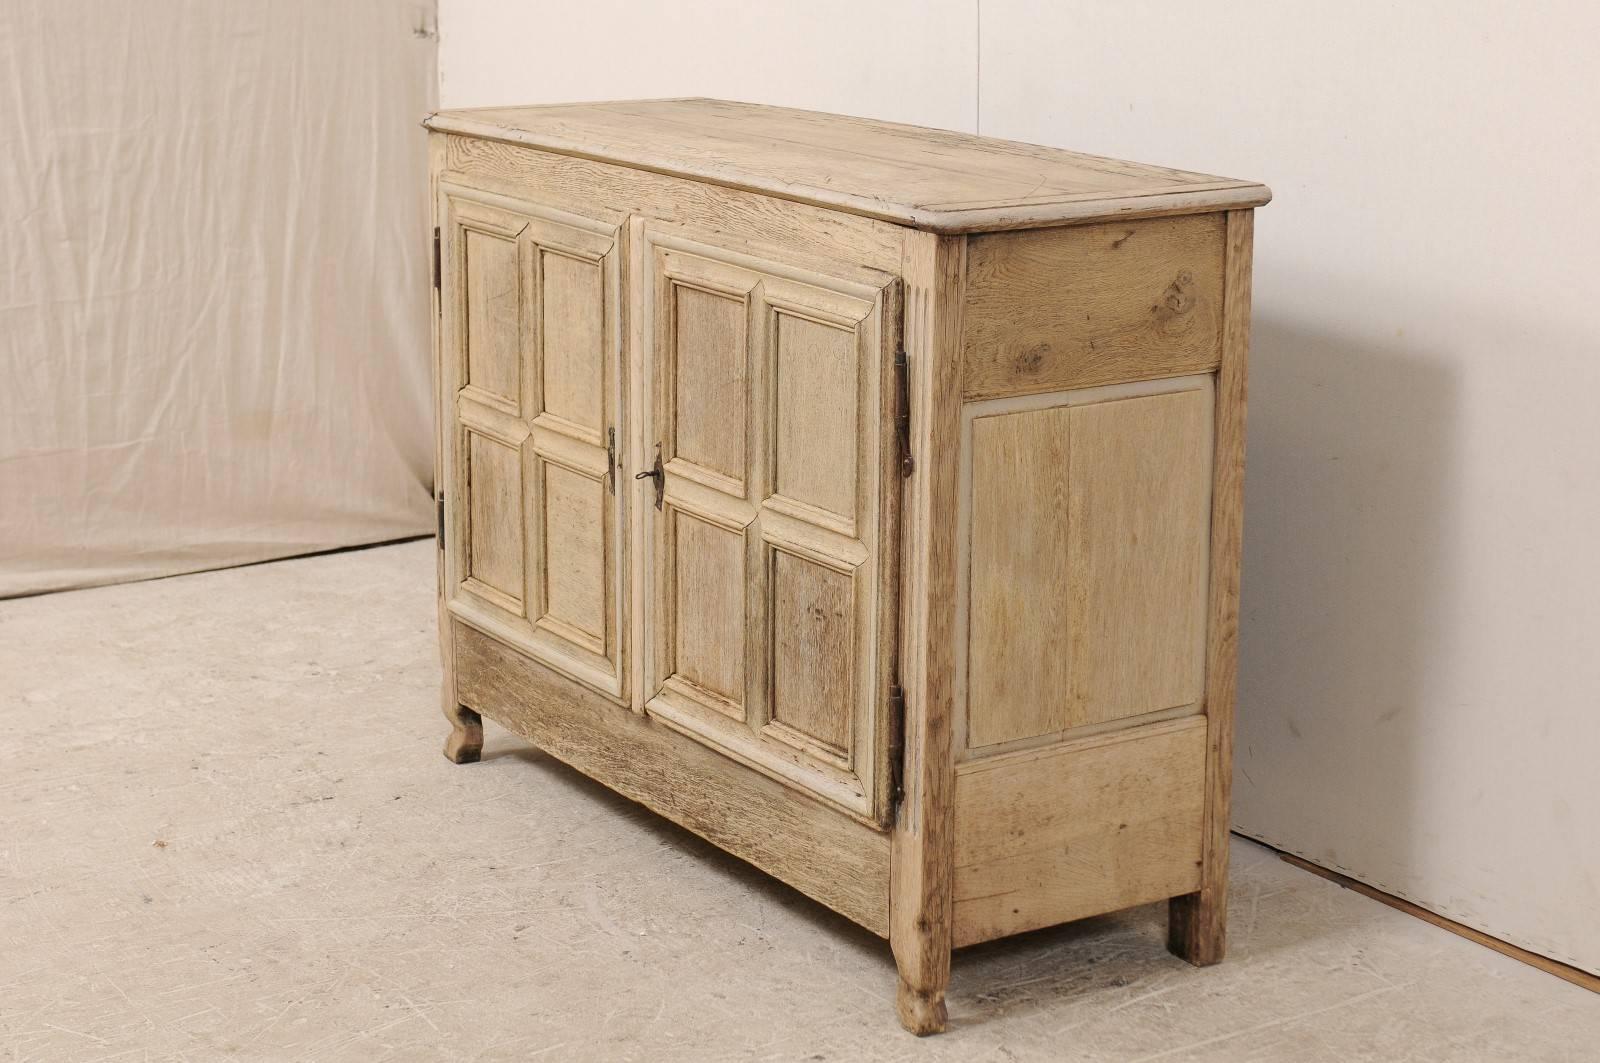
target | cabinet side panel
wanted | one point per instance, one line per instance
(1098, 825)
(824, 854)
(1052, 309)
(1084, 561)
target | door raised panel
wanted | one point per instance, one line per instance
(572, 305)
(708, 610)
(709, 347)
(813, 637)
(494, 315)
(494, 521)
(765, 397)
(575, 548)
(816, 376)
(532, 334)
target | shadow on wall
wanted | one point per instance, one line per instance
(1349, 520)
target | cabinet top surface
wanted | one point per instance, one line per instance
(926, 178)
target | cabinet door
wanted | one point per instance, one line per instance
(770, 552)
(531, 342)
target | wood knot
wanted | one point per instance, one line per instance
(1032, 360)
(1177, 300)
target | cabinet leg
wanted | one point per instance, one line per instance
(465, 743)
(1197, 926)
(921, 1007)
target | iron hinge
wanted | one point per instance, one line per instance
(897, 744)
(902, 411)
(439, 517)
(611, 460)
(438, 272)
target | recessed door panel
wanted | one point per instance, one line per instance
(576, 533)
(816, 377)
(572, 316)
(494, 520)
(708, 634)
(494, 312)
(531, 332)
(766, 384)
(813, 633)
(710, 375)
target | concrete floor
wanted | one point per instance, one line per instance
(228, 832)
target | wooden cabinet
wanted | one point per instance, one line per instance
(863, 498)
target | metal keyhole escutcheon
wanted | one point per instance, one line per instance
(655, 473)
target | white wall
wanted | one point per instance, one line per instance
(901, 59)
(1420, 676)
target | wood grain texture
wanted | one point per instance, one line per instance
(813, 634)
(763, 602)
(1085, 520)
(830, 858)
(493, 328)
(920, 913)
(710, 379)
(708, 614)
(573, 340)
(1055, 309)
(1136, 547)
(929, 179)
(798, 232)
(1048, 836)
(816, 380)
(577, 596)
(494, 518)
(1198, 922)
(1019, 654)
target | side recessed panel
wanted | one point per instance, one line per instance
(709, 608)
(494, 515)
(1019, 658)
(575, 555)
(815, 412)
(710, 353)
(573, 320)
(813, 652)
(494, 333)
(1137, 538)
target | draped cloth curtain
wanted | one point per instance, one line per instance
(214, 321)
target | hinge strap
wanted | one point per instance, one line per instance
(902, 412)
(897, 743)
(611, 460)
(438, 271)
(439, 516)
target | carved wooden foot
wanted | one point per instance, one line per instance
(465, 743)
(921, 1011)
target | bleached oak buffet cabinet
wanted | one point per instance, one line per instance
(863, 498)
